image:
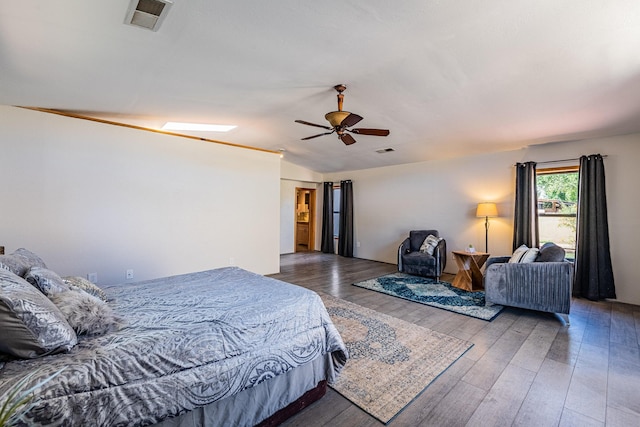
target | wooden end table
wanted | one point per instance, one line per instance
(469, 276)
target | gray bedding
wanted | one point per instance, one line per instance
(189, 340)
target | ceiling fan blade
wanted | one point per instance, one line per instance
(376, 132)
(350, 120)
(347, 139)
(312, 124)
(315, 136)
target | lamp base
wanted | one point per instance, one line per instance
(486, 234)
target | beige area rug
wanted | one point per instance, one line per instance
(390, 361)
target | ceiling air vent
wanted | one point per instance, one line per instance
(147, 13)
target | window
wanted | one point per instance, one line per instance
(336, 211)
(557, 190)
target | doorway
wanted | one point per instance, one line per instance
(305, 219)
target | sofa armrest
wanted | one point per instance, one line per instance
(494, 259)
(543, 286)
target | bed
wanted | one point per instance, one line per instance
(217, 347)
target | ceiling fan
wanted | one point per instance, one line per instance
(341, 121)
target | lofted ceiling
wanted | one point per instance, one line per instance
(447, 78)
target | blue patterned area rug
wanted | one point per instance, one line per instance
(434, 293)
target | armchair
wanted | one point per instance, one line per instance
(543, 285)
(412, 261)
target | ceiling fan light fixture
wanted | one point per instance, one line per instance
(335, 118)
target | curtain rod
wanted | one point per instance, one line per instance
(567, 160)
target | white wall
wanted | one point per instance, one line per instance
(390, 201)
(443, 195)
(91, 197)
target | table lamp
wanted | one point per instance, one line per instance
(486, 209)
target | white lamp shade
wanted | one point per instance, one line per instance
(486, 209)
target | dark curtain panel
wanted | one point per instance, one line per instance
(525, 227)
(594, 273)
(345, 234)
(328, 246)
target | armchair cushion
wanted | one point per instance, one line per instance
(412, 260)
(419, 259)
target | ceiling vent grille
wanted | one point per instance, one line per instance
(147, 14)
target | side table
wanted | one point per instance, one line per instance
(469, 276)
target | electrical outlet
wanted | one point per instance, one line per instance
(129, 274)
(232, 261)
(92, 277)
(358, 244)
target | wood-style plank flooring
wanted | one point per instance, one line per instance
(526, 368)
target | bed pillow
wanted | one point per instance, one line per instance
(86, 314)
(87, 286)
(47, 281)
(14, 264)
(20, 261)
(31, 259)
(430, 243)
(31, 325)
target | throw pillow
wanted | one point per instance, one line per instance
(31, 325)
(524, 254)
(430, 243)
(87, 286)
(85, 313)
(530, 255)
(518, 254)
(550, 252)
(47, 281)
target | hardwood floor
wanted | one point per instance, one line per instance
(526, 368)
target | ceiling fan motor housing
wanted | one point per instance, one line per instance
(336, 117)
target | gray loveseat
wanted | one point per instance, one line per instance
(412, 261)
(543, 285)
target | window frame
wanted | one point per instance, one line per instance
(551, 171)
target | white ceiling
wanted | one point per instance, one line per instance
(448, 78)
